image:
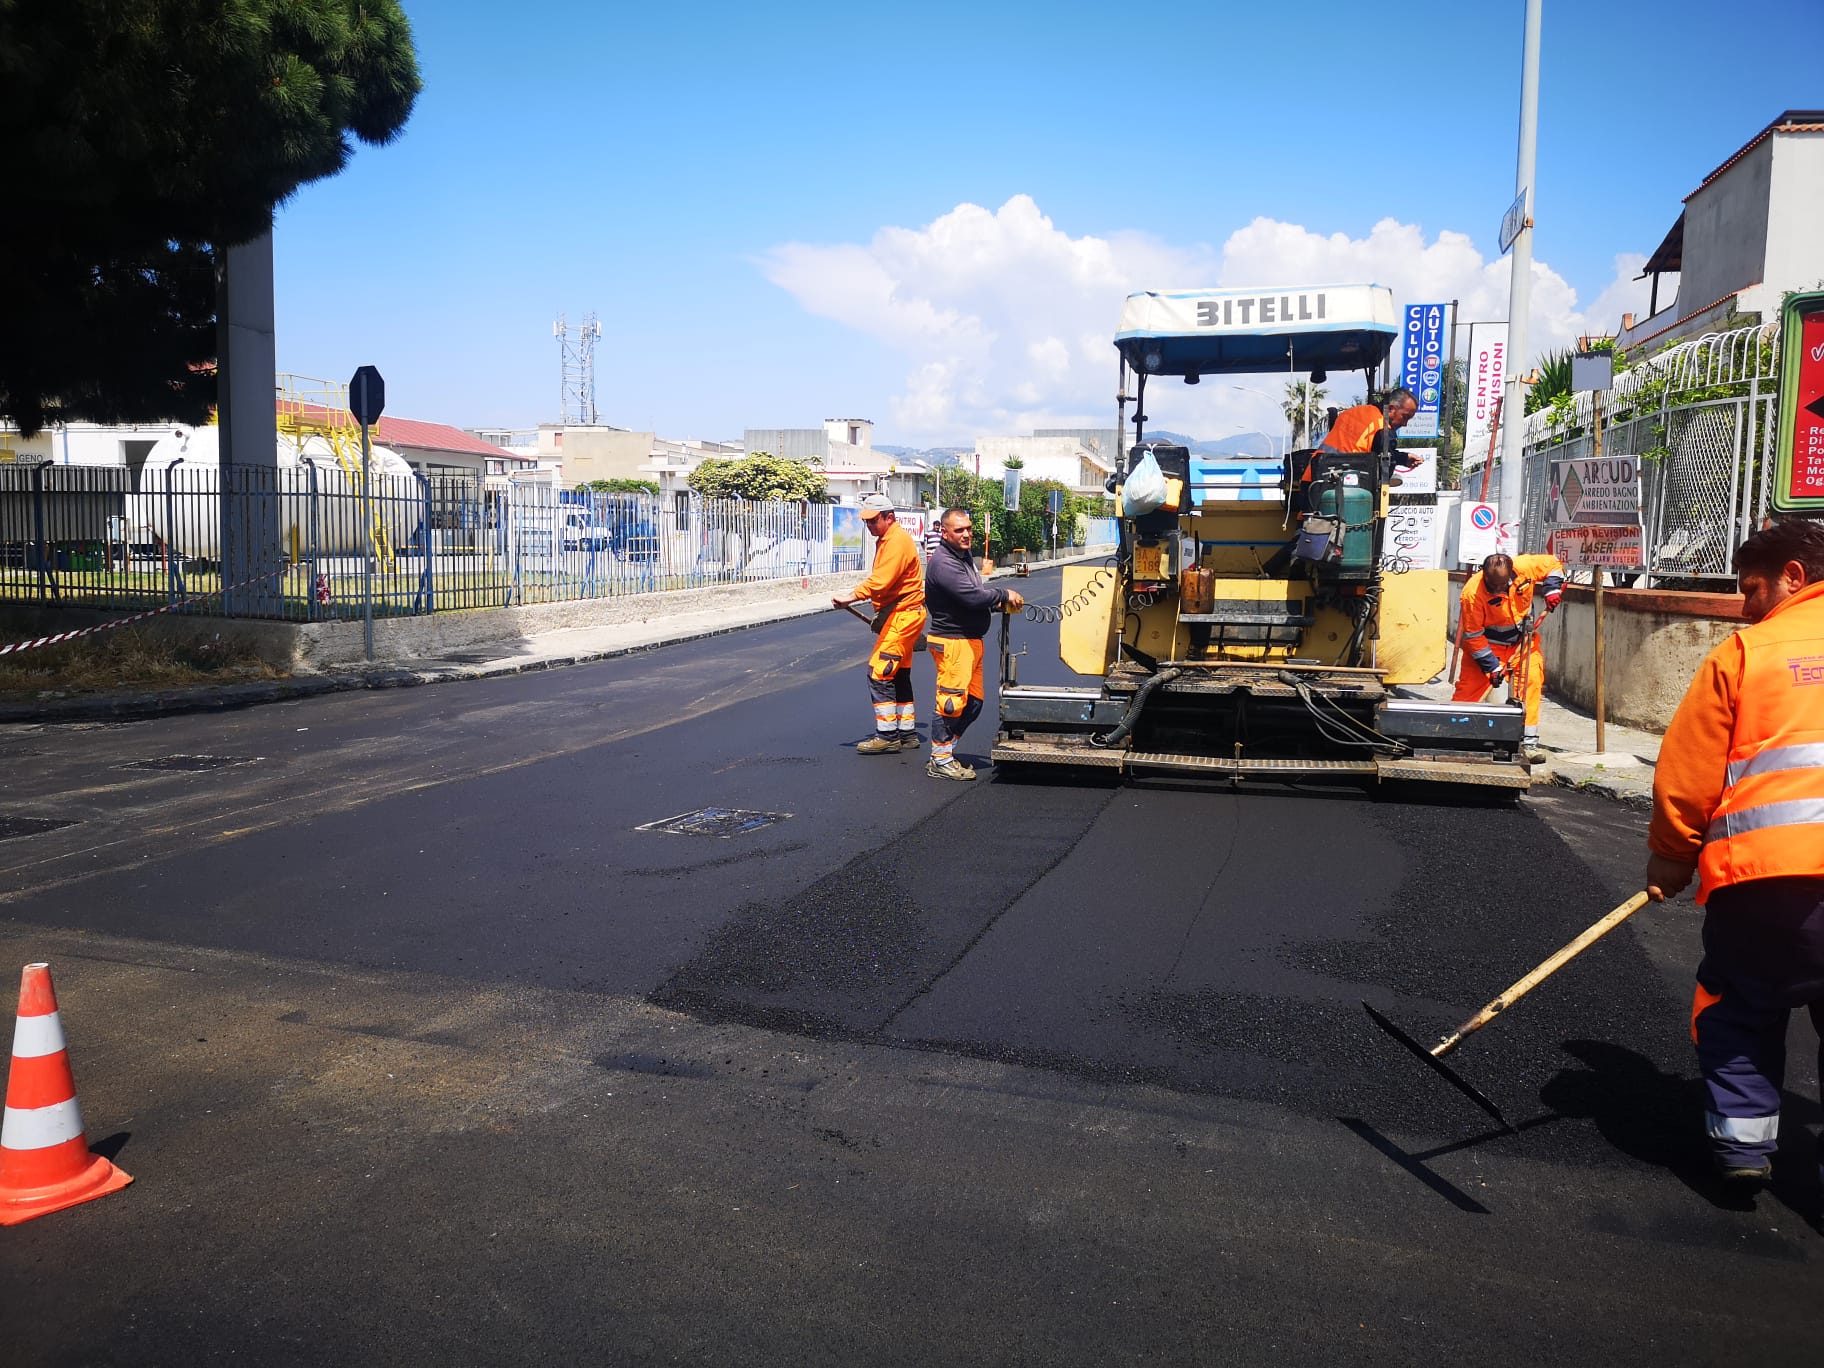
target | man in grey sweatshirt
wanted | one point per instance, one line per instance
(961, 604)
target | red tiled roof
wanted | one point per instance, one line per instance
(412, 433)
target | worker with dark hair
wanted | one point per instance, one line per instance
(1358, 429)
(1355, 431)
(897, 590)
(1498, 637)
(962, 605)
(1738, 800)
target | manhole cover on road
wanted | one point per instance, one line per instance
(190, 764)
(30, 826)
(714, 821)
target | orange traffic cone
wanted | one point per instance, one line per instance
(45, 1164)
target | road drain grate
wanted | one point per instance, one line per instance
(189, 764)
(715, 821)
(31, 826)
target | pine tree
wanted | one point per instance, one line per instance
(141, 137)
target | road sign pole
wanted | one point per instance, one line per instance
(366, 402)
(1513, 477)
(367, 559)
(1447, 406)
(1596, 571)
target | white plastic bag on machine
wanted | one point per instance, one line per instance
(1144, 490)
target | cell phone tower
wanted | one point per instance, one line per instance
(576, 349)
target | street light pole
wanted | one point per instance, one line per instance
(1250, 389)
(1513, 435)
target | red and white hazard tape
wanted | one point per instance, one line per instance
(56, 638)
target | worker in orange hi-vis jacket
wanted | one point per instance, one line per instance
(896, 588)
(1497, 638)
(1738, 800)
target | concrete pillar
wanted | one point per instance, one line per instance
(252, 549)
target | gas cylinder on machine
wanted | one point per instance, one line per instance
(1351, 504)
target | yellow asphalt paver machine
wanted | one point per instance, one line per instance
(1248, 626)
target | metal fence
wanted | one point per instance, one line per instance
(296, 542)
(1700, 417)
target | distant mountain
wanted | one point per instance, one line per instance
(1241, 444)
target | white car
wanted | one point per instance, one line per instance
(582, 532)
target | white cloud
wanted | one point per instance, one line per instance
(1006, 321)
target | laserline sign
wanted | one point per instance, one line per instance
(1615, 548)
(1603, 491)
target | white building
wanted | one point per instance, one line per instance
(1748, 234)
(844, 449)
(1070, 460)
(85, 444)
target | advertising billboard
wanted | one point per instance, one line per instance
(1482, 384)
(1422, 365)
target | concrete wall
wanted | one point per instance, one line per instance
(795, 444)
(1726, 231)
(1654, 640)
(838, 430)
(1795, 243)
(603, 453)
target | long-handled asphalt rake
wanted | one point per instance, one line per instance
(1434, 1056)
(873, 625)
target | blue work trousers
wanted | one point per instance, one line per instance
(1763, 959)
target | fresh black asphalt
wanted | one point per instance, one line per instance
(421, 1051)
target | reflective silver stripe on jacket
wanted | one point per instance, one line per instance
(1505, 636)
(1810, 756)
(1793, 812)
(1746, 1130)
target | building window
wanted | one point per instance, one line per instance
(854, 434)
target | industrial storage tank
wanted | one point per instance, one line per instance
(179, 500)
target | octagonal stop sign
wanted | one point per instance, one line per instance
(366, 396)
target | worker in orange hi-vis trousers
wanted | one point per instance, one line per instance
(896, 588)
(1498, 639)
(962, 605)
(1738, 801)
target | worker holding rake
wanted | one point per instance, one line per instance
(1738, 801)
(1497, 633)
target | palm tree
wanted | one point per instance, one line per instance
(1554, 380)
(1303, 406)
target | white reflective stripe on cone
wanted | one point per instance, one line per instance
(37, 1036)
(1748, 1130)
(30, 1128)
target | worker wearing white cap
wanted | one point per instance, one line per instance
(896, 588)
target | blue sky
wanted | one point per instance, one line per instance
(928, 214)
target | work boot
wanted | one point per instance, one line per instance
(879, 744)
(950, 768)
(1531, 749)
(1745, 1175)
(908, 740)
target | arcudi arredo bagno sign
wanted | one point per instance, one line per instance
(1246, 313)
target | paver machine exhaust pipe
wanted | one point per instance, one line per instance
(1434, 1055)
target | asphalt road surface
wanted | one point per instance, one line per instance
(422, 1051)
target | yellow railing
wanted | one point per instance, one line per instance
(319, 408)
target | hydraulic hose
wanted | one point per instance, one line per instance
(1125, 727)
(1077, 602)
